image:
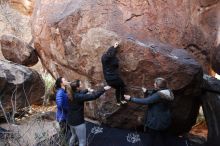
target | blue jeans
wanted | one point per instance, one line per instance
(80, 132)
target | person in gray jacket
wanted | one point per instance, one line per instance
(158, 116)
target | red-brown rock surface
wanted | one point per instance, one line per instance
(19, 86)
(70, 37)
(183, 24)
(23, 6)
(15, 50)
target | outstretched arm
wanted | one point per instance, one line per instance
(149, 100)
(93, 96)
(84, 91)
(112, 51)
(88, 97)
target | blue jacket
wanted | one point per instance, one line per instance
(62, 104)
(158, 116)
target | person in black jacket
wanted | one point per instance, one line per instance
(158, 116)
(75, 116)
(110, 65)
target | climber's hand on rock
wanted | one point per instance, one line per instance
(107, 87)
(116, 44)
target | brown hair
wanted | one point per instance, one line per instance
(69, 92)
(75, 85)
(161, 82)
(58, 83)
(72, 88)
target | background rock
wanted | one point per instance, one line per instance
(23, 6)
(15, 50)
(20, 83)
(15, 23)
(211, 108)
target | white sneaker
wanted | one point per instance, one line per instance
(118, 104)
(123, 102)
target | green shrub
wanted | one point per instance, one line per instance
(49, 85)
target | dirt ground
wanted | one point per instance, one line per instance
(31, 128)
(200, 129)
(39, 124)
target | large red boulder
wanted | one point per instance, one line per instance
(183, 24)
(71, 36)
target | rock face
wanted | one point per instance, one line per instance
(211, 108)
(13, 22)
(19, 86)
(15, 50)
(23, 6)
(142, 20)
(71, 36)
(216, 59)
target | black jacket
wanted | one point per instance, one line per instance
(158, 113)
(75, 114)
(110, 64)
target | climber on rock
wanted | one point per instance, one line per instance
(158, 116)
(110, 65)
